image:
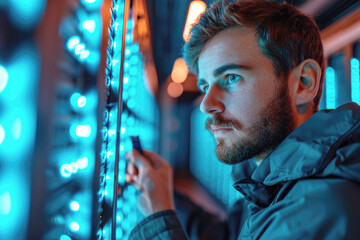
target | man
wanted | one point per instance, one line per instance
(260, 66)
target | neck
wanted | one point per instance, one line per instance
(258, 158)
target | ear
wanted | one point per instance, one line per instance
(307, 79)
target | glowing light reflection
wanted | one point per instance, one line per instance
(84, 54)
(65, 237)
(75, 206)
(26, 14)
(195, 9)
(83, 131)
(89, 25)
(355, 80)
(330, 88)
(73, 42)
(2, 134)
(79, 48)
(75, 226)
(81, 101)
(4, 76)
(5, 203)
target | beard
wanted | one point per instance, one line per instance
(274, 124)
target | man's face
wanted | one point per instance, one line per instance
(250, 109)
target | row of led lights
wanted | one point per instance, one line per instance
(78, 103)
(132, 78)
(74, 226)
(79, 49)
(109, 129)
(131, 60)
(330, 85)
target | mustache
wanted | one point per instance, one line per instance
(218, 121)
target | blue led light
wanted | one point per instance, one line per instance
(116, 25)
(16, 129)
(2, 134)
(79, 48)
(111, 132)
(26, 14)
(77, 100)
(68, 169)
(89, 25)
(14, 200)
(73, 42)
(75, 206)
(5, 203)
(4, 76)
(330, 88)
(65, 237)
(355, 80)
(82, 163)
(74, 226)
(128, 38)
(83, 131)
(114, 62)
(81, 102)
(127, 51)
(65, 171)
(84, 54)
(109, 154)
(91, 4)
(123, 130)
(73, 167)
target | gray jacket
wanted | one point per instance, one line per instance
(307, 188)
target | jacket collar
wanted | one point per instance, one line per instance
(305, 152)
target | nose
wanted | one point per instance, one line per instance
(212, 102)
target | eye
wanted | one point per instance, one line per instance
(232, 78)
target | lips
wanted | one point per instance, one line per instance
(220, 130)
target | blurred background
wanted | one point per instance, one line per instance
(79, 77)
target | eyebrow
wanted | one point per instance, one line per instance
(220, 70)
(224, 68)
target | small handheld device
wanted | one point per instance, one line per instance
(136, 144)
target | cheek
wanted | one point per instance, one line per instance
(246, 104)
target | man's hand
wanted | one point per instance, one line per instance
(153, 176)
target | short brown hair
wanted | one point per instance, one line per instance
(285, 35)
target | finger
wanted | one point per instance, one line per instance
(134, 181)
(130, 179)
(131, 169)
(140, 161)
